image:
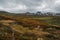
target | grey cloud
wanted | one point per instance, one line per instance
(30, 5)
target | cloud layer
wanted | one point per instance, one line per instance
(30, 5)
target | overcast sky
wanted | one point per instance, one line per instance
(30, 5)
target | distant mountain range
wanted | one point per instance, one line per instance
(28, 13)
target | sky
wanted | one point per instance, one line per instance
(17, 6)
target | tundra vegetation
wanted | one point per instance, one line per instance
(29, 27)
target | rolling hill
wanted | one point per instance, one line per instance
(22, 28)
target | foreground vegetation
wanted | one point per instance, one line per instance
(14, 27)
